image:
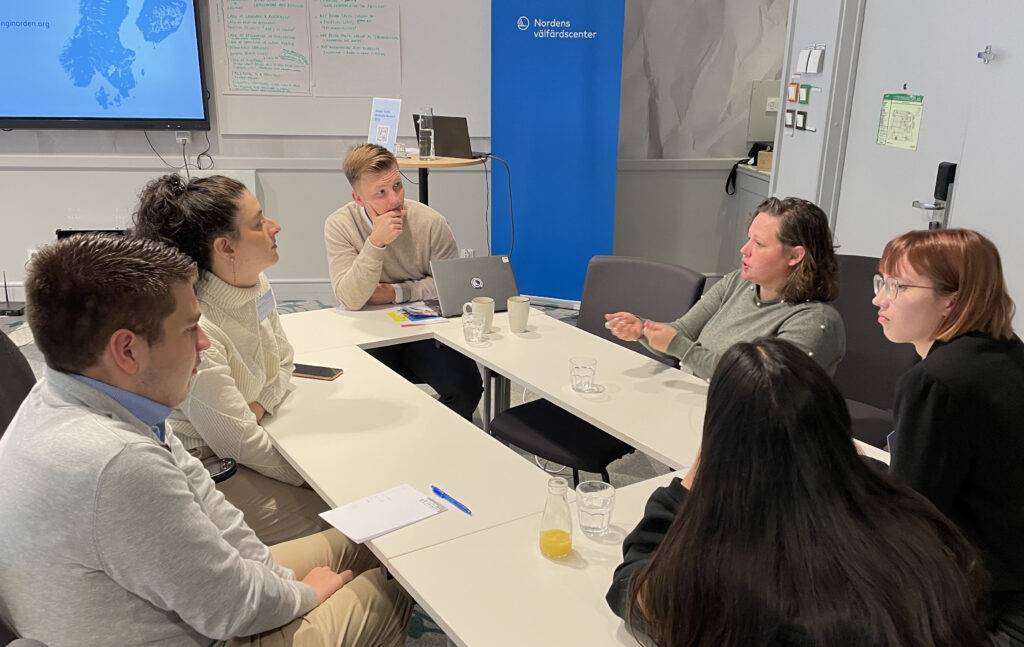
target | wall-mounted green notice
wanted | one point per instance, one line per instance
(900, 121)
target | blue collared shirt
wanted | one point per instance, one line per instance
(149, 412)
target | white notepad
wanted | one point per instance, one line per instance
(379, 514)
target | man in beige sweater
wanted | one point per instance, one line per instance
(379, 248)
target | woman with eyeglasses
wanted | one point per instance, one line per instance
(788, 275)
(782, 536)
(959, 413)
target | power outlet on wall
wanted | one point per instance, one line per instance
(466, 252)
(182, 136)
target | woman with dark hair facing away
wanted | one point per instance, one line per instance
(959, 412)
(782, 535)
(787, 276)
(246, 372)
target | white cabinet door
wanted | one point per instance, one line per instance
(989, 176)
(911, 47)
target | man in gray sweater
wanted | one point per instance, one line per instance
(110, 532)
(379, 248)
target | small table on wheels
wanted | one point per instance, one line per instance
(438, 162)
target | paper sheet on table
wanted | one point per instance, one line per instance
(379, 514)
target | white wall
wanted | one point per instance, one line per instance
(675, 211)
(969, 111)
(687, 71)
(300, 194)
(90, 179)
(809, 164)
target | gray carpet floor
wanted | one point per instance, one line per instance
(423, 632)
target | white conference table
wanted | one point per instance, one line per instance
(653, 407)
(495, 588)
(316, 330)
(370, 430)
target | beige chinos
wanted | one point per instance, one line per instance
(369, 611)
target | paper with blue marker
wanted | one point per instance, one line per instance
(381, 513)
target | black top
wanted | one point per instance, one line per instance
(959, 441)
(639, 547)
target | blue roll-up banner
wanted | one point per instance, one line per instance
(556, 71)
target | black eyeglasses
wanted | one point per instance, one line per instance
(893, 287)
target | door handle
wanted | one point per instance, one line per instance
(937, 214)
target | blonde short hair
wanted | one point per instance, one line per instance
(367, 158)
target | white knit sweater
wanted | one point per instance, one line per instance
(249, 360)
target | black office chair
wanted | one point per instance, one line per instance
(16, 380)
(872, 366)
(6, 635)
(650, 289)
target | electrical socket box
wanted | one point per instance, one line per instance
(182, 136)
(466, 252)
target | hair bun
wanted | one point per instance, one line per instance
(176, 184)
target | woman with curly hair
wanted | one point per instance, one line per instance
(788, 275)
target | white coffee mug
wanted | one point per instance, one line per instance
(518, 313)
(483, 305)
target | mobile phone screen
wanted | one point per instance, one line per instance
(317, 372)
(220, 468)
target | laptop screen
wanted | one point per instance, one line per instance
(451, 136)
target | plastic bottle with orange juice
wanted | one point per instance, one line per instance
(556, 522)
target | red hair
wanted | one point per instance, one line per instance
(960, 262)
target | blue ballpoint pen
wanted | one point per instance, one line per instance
(447, 497)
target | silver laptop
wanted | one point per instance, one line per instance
(458, 280)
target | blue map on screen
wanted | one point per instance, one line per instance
(100, 58)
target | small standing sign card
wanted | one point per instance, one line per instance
(384, 122)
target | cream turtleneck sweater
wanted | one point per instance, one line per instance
(249, 359)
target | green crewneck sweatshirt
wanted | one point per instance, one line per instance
(732, 312)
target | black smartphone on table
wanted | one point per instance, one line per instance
(316, 372)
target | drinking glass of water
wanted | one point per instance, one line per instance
(582, 371)
(427, 134)
(473, 327)
(595, 501)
